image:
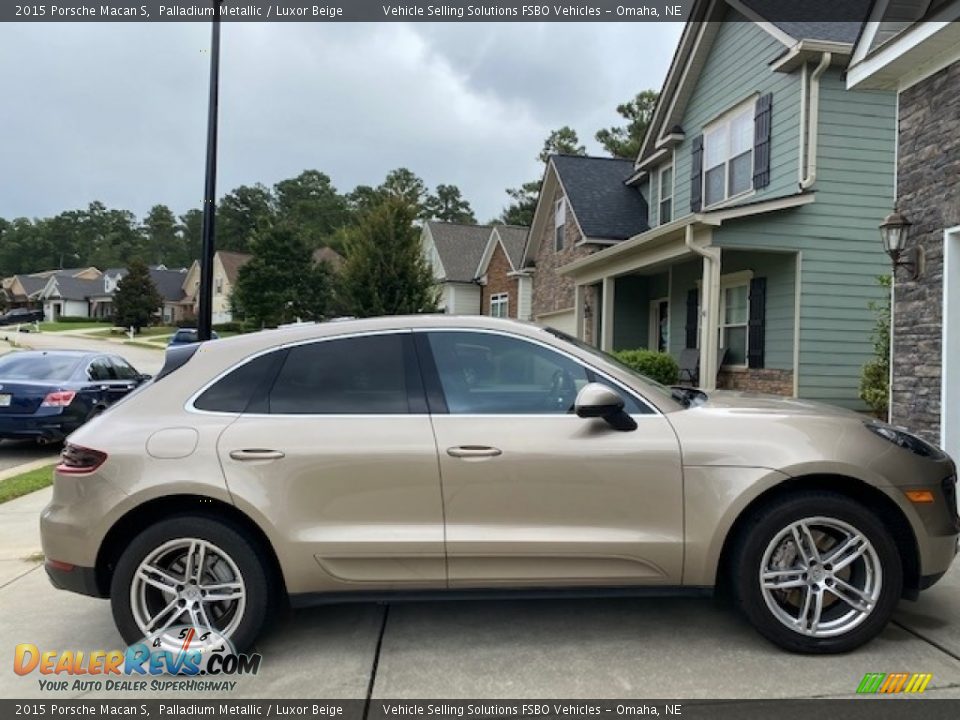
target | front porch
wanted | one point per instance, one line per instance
(732, 312)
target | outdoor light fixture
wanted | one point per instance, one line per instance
(894, 233)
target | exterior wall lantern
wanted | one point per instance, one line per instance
(895, 233)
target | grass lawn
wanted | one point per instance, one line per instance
(61, 326)
(19, 485)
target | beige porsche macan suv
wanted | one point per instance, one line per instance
(436, 456)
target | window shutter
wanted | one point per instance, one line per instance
(696, 174)
(693, 311)
(761, 140)
(756, 329)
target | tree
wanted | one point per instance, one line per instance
(448, 205)
(385, 272)
(164, 246)
(281, 283)
(559, 142)
(136, 298)
(404, 184)
(625, 141)
(311, 205)
(242, 213)
(190, 231)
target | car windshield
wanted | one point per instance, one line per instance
(186, 336)
(30, 366)
(607, 357)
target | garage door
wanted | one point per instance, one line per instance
(564, 322)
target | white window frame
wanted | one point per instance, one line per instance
(724, 123)
(559, 222)
(500, 300)
(729, 282)
(660, 196)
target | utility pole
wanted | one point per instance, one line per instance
(205, 309)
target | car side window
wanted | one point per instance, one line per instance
(369, 375)
(123, 369)
(243, 389)
(491, 374)
(101, 370)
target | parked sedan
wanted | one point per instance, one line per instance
(429, 456)
(187, 336)
(46, 395)
(21, 315)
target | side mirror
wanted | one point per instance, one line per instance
(599, 401)
(143, 377)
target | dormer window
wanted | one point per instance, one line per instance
(666, 194)
(559, 221)
(728, 156)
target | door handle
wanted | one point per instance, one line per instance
(473, 451)
(256, 454)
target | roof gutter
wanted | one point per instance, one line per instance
(809, 121)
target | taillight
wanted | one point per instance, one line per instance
(61, 398)
(76, 460)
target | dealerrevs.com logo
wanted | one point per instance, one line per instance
(894, 683)
(176, 651)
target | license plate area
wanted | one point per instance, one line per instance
(5, 399)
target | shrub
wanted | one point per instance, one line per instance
(655, 365)
(80, 319)
(229, 327)
(875, 375)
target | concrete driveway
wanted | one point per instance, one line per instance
(637, 648)
(145, 360)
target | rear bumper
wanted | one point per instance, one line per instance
(82, 580)
(53, 428)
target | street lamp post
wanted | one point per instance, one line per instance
(205, 309)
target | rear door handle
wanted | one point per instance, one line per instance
(473, 451)
(256, 454)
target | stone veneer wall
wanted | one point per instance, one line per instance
(772, 382)
(928, 192)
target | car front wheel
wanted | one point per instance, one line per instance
(818, 573)
(190, 571)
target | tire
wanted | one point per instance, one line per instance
(226, 553)
(783, 615)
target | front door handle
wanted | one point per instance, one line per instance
(256, 454)
(473, 451)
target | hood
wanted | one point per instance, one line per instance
(756, 403)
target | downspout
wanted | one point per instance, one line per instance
(709, 333)
(813, 121)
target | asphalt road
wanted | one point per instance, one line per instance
(143, 359)
(616, 648)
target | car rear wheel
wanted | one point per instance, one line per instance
(190, 571)
(818, 573)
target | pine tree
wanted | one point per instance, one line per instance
(136, 298)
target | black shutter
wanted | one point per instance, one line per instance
(761, 141)
(758, 322)
(693, 311)
(696, 174)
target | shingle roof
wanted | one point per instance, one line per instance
(460, 248)
(604, 206)
(514, 239)
(71, 288)
(329, 256)
(832, 20)
(169, 283)
(33, 283)
(232, 262)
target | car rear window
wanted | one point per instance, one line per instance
(185, 336)
(56, 368)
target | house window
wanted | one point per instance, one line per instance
(666, 195)
(728, 156)
(559, 221)
(219, 286)
(500, 305)
(734, 314)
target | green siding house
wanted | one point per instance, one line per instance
(765, 180)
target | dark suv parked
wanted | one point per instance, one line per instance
(21, 315)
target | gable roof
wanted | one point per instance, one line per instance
(793, 24)
(514, 239)
(460, 248)
(71, 288)
(330, 256)
(595, 187)
(169, 283)
(232, 262)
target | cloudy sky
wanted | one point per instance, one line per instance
(117, 112)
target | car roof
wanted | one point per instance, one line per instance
(77, 354)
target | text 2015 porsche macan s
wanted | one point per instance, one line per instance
(437, 455)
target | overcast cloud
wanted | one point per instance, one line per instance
(117, 112)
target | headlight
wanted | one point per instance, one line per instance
(917, 446)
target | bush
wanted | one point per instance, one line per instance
(229, 327)
(875, 374)
(655, 365)
(80, 319)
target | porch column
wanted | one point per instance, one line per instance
(578, 297)
(606, 315)
(709, 319)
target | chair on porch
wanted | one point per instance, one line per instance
(690, 364)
